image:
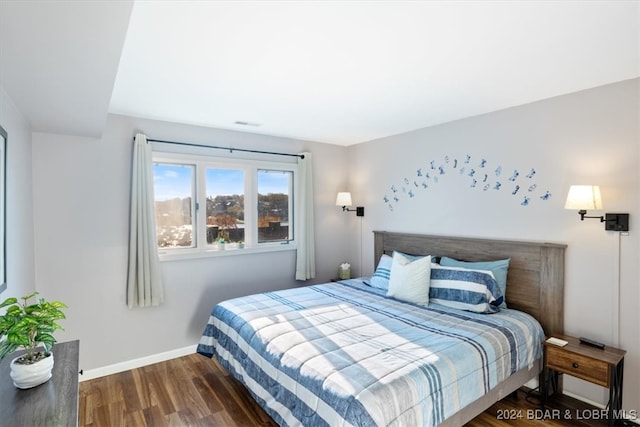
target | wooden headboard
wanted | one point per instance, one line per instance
(535, 280)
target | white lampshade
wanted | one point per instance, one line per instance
(343, 199)
(585, 197)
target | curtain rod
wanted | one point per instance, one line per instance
(231, 150)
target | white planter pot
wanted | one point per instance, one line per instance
(28, 376)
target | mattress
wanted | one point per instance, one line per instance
(344, 354)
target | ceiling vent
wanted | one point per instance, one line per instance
(241, 123)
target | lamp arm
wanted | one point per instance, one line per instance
(613, 221)
(583, 215)
(358, 210)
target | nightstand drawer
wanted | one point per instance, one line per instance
(596, 371)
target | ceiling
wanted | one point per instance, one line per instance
(340, 72)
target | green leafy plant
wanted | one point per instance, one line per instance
(28, 326)
(225, 222)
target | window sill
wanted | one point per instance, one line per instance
(181, 254)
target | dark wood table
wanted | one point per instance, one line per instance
(604, 367)
(54, 403)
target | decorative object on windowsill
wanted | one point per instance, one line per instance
(225, 223)
(588, 197)
(344, 272)
(28, 326)
(240, 244)
(344, 200)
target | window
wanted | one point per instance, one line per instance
(274, 205)
(174, 197)
(225, 205)
(209, 204)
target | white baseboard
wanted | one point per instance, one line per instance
(630, 416)
(583, 399)
(136, 363)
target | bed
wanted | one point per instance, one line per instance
(344, 353)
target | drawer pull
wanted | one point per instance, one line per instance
(575, 365)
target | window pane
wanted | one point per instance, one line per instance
(225, 205)
(173, 187)
(274, 188)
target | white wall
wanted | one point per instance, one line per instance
(20, 258)
(81, 193)
(589, 137)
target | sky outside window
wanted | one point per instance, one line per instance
(172, 181)
(273, 181)
(224, 182)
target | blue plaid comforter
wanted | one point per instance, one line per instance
(342, 354)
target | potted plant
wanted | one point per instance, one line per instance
(225, 223)
(29, 326)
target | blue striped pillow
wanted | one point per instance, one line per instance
(380, 278)
(465, 289)
(499, 269)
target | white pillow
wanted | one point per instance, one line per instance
(409, 279)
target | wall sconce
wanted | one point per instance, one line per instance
(583, 197)
(344, 200)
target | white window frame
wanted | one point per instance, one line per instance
(199, 214)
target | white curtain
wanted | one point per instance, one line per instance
(144, 281)
(306, 242)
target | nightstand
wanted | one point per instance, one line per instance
(603, 367)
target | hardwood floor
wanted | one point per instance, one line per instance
(187, 391)
(195, 391)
